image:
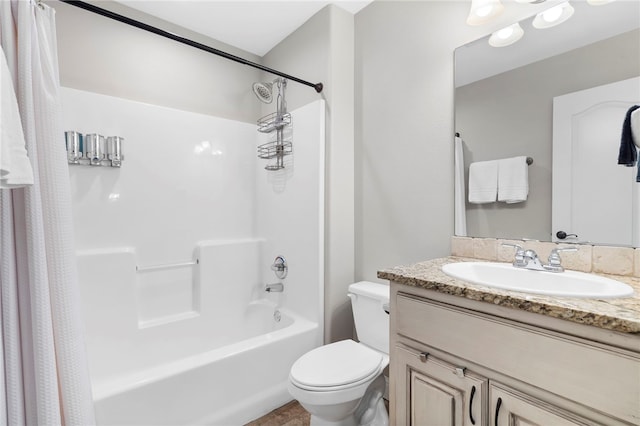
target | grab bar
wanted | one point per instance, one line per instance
(166, 266)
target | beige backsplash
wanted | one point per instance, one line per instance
(600, 259)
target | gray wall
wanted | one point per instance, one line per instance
(104, 56)
(404, 130)
(511, 114)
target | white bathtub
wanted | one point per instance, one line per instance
(191, 345)
(228, 385)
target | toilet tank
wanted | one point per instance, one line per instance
(371, 320)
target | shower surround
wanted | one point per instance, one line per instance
(174, 250)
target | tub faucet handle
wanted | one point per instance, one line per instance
(279, 267)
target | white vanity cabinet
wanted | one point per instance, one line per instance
(456, 361)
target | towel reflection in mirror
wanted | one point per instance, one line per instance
(505, 180)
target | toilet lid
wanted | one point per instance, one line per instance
(336, 364)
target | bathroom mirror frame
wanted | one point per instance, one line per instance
(484, 75)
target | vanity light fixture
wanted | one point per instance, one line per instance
(484, 10)
(553, 16)
(506, 36)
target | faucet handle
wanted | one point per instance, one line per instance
(555, 262)
(518, 260)
(518, 247)
(554, 256)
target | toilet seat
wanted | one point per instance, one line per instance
(337, 366)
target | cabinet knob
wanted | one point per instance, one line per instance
(460, 372)
(423, 356)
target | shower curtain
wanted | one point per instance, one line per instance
(43, 367)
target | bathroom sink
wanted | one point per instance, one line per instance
(568, 283)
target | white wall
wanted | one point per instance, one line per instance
(404, 127)
(185, 177)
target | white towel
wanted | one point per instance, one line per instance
(513, 180)
(15, 168)
(460, 212)
(635, 127)
(483, 182)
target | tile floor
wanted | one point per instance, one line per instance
(291, 414)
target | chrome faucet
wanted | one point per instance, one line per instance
(532, 261)
(274, 288)
(528, 259)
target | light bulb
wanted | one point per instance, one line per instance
(505, 33)
(506, 36)
(483, 10)
(553, 16)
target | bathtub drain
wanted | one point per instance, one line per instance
(277, 316)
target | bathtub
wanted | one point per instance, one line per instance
(198, 344)
(228, 385)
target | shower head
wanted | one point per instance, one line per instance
(264, 92)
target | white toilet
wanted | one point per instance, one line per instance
(342, 383)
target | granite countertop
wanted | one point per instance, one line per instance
(622, 314)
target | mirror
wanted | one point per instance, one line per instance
(504, 101)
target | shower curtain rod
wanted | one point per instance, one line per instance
(91, 8)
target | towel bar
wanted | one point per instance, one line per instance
(166, 266)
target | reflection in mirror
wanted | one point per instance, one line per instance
(504, 107)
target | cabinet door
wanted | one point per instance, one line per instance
(512, 408)
(432, 392)
(433, 402)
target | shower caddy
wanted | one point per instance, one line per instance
(276, 124)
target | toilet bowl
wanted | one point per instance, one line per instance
(342, 383)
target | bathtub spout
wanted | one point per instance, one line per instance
(274, 288)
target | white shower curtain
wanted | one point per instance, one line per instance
(43, 366)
